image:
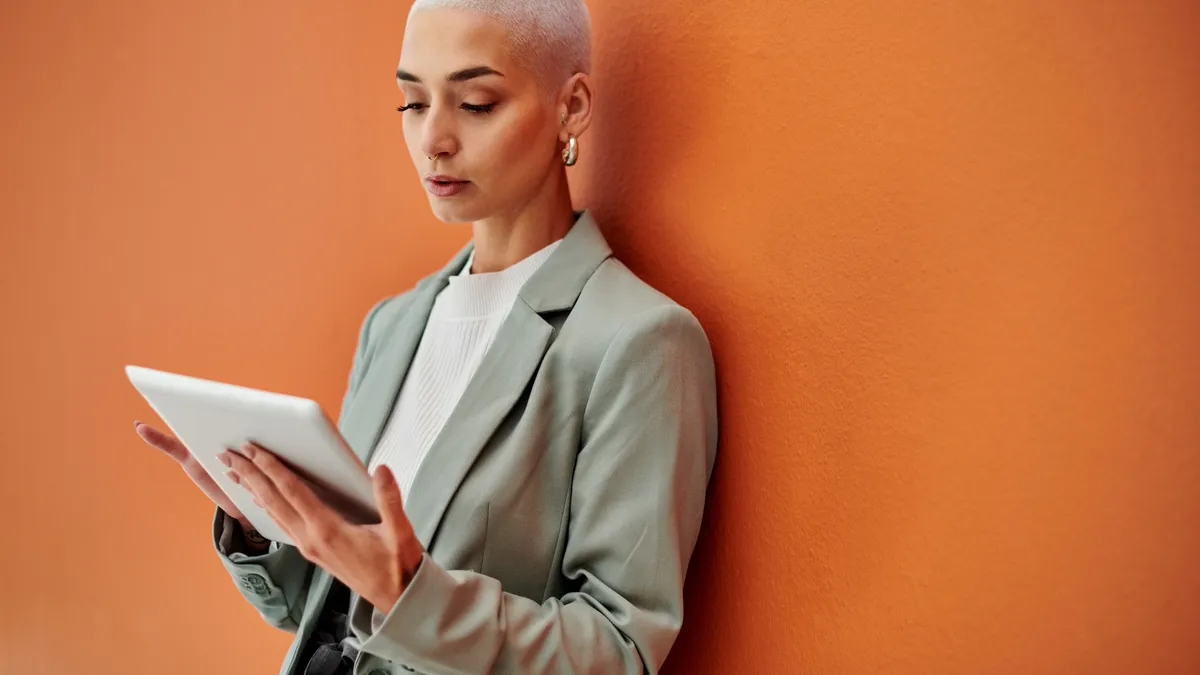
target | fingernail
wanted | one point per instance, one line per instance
(224, 458)
(248, 450)
(136, 424)
(233, 477)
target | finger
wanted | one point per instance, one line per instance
(165, 442)
(263, 489)
(311, 508)
(233, 476)
(389, 501)
(238, 479)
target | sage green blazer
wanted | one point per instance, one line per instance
(561, 503)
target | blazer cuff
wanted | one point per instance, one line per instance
(407, 636)
(255, 575)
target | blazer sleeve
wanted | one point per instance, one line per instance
(276, 582)
(638, 492)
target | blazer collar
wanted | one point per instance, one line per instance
(558, 282)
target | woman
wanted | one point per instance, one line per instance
(540, 424)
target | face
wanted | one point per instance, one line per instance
(469, 103)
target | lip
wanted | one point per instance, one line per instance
(441, 185)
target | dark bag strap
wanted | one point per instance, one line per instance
(329, 660)
(324, 649)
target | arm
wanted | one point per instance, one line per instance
(649, 442)
(274, 581)
(274, 577)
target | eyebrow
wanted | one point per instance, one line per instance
(457, 76)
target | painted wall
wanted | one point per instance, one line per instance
(946, 253)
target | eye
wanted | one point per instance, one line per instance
(411, 106)
(479, 109)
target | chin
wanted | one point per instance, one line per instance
(454, 210)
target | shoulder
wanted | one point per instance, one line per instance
(386, 311)
(646, 353)
(622, 311)
(383, 314)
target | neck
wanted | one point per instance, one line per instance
(505, 239)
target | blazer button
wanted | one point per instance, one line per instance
(256, 584)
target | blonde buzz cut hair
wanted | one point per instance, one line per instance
(552, 37)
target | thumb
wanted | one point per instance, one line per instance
(389, 500)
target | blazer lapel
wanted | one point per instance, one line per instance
(376, 396)
(503, 375)
(506, 369)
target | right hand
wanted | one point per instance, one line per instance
(179, 452)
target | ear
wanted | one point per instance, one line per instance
(575, 101)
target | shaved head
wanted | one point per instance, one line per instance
(552, 37)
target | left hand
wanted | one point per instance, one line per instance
(376, 561)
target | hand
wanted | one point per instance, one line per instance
(376, 561)
(179, 452)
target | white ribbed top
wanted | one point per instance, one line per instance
(465, 319)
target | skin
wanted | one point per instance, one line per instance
(486, 119)
(518, 201)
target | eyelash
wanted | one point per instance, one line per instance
(477, 109)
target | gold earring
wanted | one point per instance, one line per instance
(570, 153)
(564, 119)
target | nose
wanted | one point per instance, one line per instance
(438, 135)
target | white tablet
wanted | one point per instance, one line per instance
(210, 417)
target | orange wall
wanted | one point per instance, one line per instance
(945, 252)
